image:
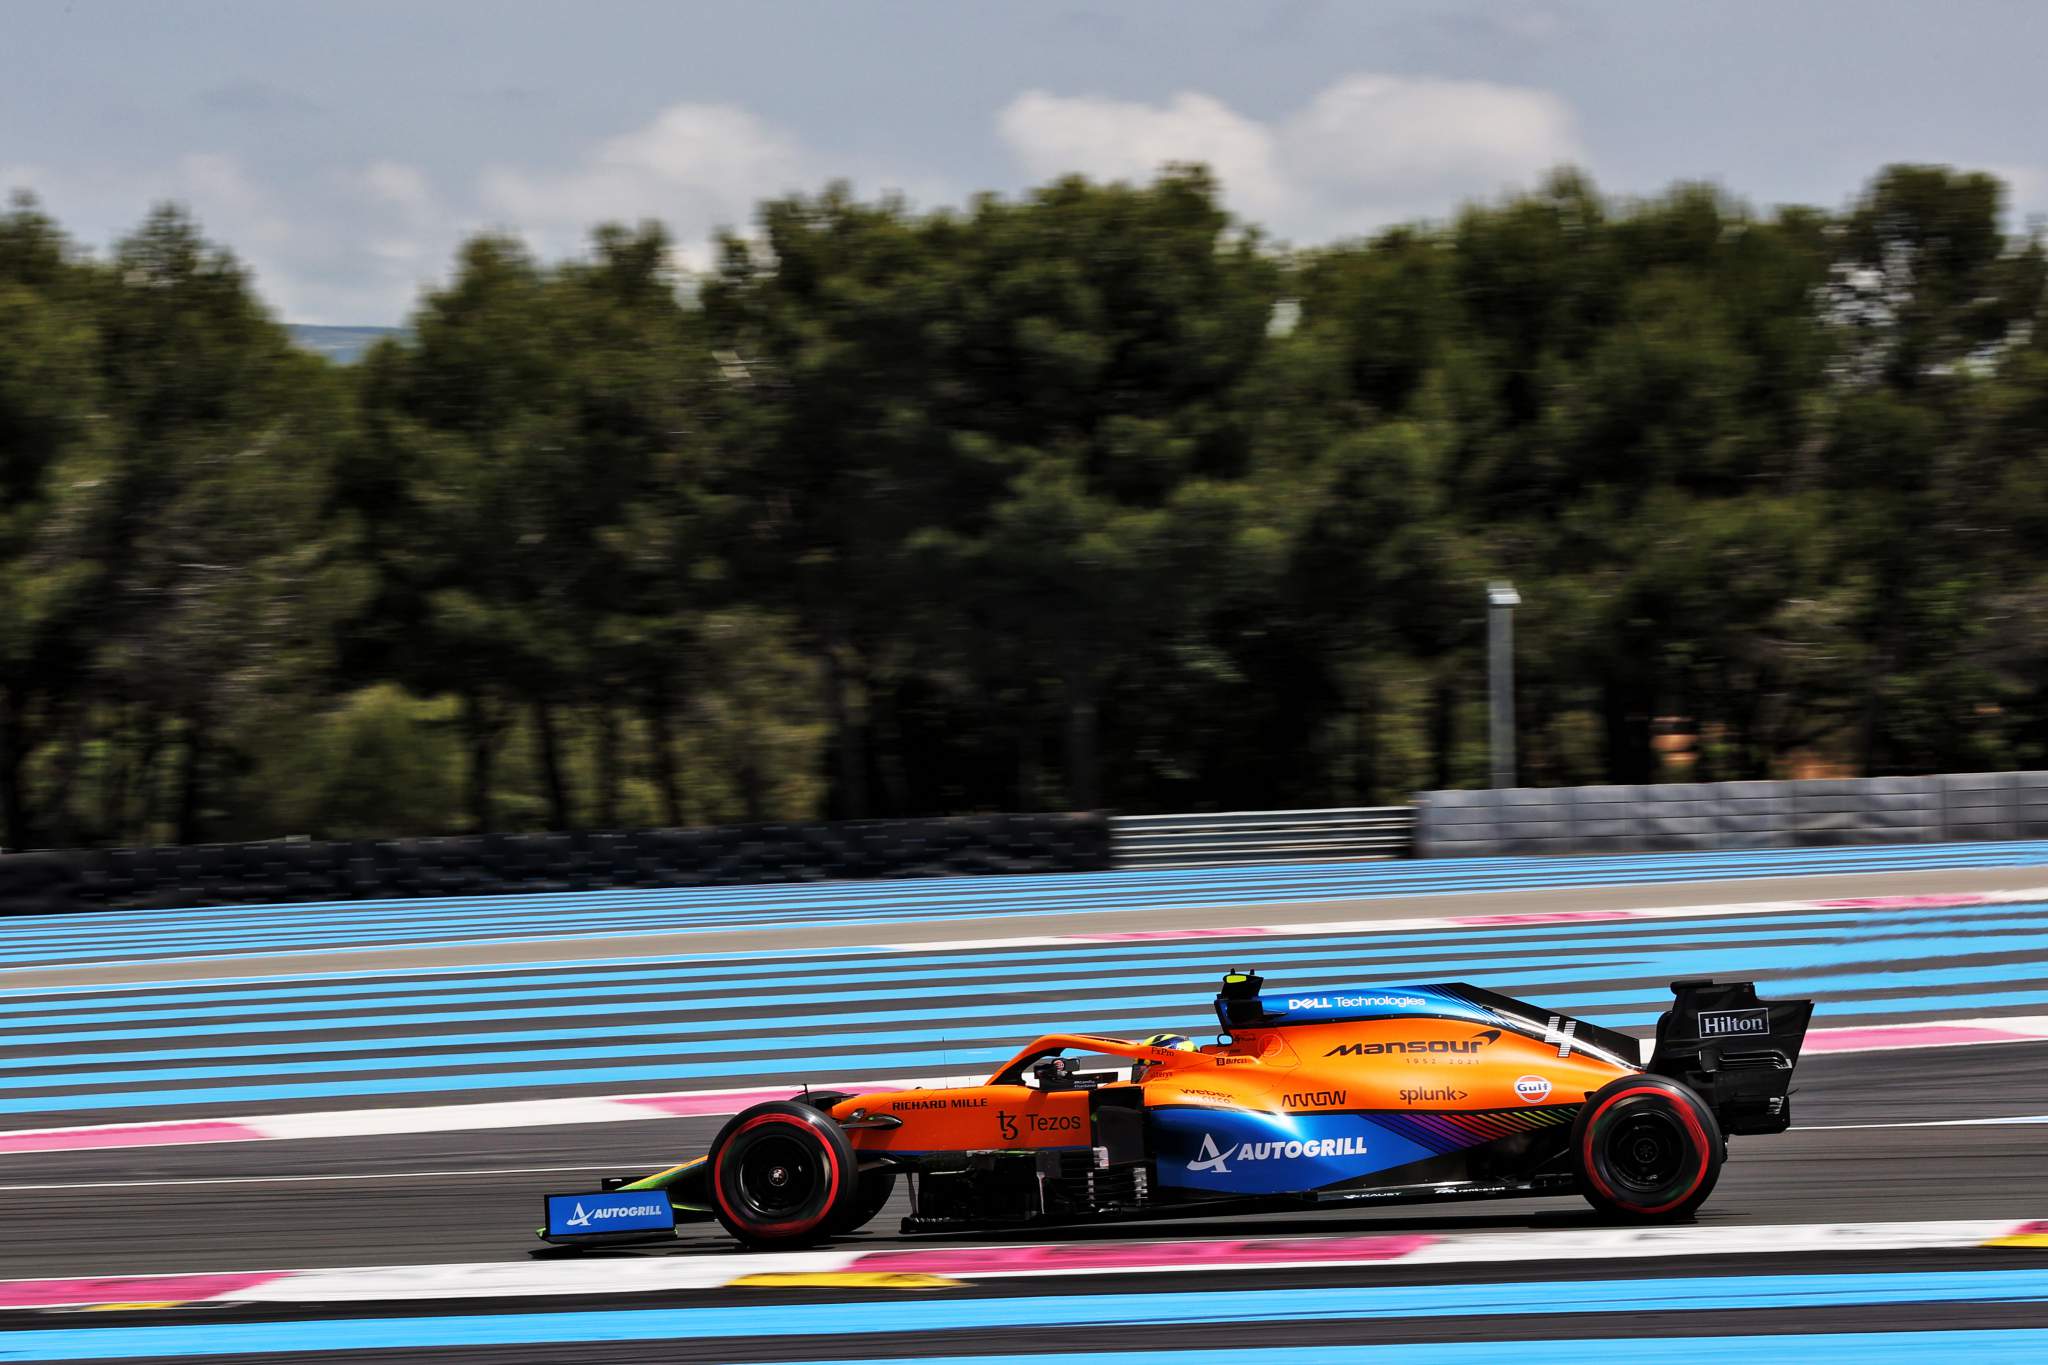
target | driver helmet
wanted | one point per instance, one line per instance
(1177, 1042)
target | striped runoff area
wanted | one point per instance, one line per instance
(1950, 1347)
(248, 930)
(853, 1266)
(777, 1328)
(1847, 1348)
(557, 1112)
(233, 1044)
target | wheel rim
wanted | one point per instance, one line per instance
(1647, 1151)
(776, 1177)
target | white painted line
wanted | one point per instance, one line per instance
(551, 1113)
(1531, 1246)
(439, 1118)
(1681, 1240)
(2018, 1120)
(508, 1279)
(310, 1179)
(452, 1118)
(703, 1270)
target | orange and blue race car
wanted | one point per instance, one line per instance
(1317, 1099)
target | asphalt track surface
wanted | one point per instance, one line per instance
(1876, 1137)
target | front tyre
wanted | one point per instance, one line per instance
(876, 1184)
(1647, 1149)
(782, 1175)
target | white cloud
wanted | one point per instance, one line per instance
(397, 184)
(2026, 191)
(696, 167)
(344, 247)
(218, 190)
(354, 242)
(1368, 150)
(1108, 139)
(347, 246)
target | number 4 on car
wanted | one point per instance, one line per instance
(1316, 1099)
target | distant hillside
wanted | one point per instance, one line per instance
(343, 345)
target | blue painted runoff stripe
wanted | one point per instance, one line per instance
(934, 1058)
(551, 1030)
(779, 1057)
(1828, 1348)
(1073, 959)
(1265, 881)
(785, 1320)
(900, 970)
(1782, 951)
(798, 1032)
(783, 1033)
(1525, 976)
(1069, 961)
(957, 1056)
(225, 931)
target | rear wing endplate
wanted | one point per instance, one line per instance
(1735, 1050)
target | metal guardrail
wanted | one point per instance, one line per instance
(1263, 836)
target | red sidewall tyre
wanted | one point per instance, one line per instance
(782, 1175)
(877, 1183)
(1647, 1148)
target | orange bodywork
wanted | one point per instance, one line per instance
(1309, 1099)
(1411, 1064)
(971, 1118)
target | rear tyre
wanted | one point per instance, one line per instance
(782, 1175)
(1647, 1149)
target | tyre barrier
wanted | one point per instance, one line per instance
(497, 864)
(38, 883)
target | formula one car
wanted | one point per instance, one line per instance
(1316, 1099)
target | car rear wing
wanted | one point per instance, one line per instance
(1735, 1050)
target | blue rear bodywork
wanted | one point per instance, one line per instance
(1370, 1002)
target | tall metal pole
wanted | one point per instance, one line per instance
(1501, 601)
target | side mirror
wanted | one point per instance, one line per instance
(1054, 1073)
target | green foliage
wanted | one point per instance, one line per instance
(1082, 498)
(379, 763)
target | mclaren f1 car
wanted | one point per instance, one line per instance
(1313, 1099)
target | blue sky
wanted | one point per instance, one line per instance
(344, 149)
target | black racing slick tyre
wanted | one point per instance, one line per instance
(877, 1183)
(782, 1175)
(1647, 1149)
(875, 1186)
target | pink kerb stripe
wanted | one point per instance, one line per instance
(688, 1105)
(1138, 1256)
(1908, 1035)
(1149, 935)
(130, 1289)
(1948, 902)
(144, 1135)
(1554, 917)
(685, 1104)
